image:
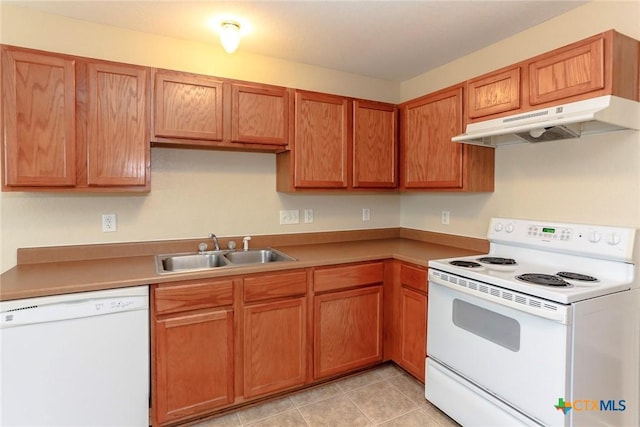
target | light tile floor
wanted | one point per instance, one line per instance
(383, 396)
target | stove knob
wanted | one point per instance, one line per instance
(594, 236)
(510, 227)
(613, 239)
(497, 226)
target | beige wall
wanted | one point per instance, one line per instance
(594, 179)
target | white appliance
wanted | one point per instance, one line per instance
(502, 351)
(76, 360)
(596, 115)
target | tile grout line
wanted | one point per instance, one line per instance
(386, 380)
(359, 409)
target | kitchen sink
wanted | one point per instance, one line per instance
(194, 261)
(182, 262)
(257, 256)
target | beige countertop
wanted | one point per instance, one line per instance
(61, 277)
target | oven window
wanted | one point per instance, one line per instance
(487, 324)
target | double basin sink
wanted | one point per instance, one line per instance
(194, 261)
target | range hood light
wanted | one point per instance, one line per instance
(536, 133)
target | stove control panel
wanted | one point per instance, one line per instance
(540, 231)
(595, 240)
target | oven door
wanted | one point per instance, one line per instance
(519, 356)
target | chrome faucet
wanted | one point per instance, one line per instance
(216, 245)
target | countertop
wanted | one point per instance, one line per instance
(55, 278)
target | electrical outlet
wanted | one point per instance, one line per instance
(290, 217)
(109, 223)
(445, 217)
(308, 216)
(366, 214)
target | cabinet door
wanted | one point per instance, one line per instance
(566, 72)
(259, 114)
(322, 140)
(429, 158)
(39, 119)
(374, 145)
(413, 331)
(348, 330)
(187, 106)
(494, 93)
(274, 346)
(194, 362)
(117, 138)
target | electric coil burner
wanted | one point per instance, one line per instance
(577, 276)
(468, 264)
(543, 279)
(497, 260)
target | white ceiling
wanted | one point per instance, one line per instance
(391, 40)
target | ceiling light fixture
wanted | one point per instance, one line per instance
(230, 36)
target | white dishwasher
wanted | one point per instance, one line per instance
(76, 360)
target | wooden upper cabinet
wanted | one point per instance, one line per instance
(340, 143)
(375, 145)
(73, 124)
(259, 114)
(429, 158)
(322, 141)
(187, 106)
(605, 64)
(205, 111)
(567, 72)
(117, 137)
(38, 100)
(494, 93)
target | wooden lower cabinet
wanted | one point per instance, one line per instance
(412, 334)
(192, 353)
(194, 363)
(413, 331)
(275, 346)
(223, 342)
(348, 330)
(406, 317)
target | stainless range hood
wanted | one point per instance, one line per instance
(596, 115)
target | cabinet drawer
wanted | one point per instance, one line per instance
(413, 277)
(193, 296)
(271, 286)
(347, 277)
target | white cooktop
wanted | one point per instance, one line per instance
(548, 248)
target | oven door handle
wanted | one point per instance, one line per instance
(535, 306)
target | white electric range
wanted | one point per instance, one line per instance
(530, 332)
